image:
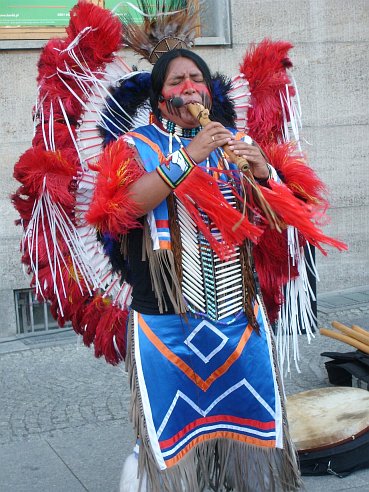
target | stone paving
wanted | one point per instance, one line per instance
(64, 422)
(50, 389)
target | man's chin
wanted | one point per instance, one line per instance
(185, 122)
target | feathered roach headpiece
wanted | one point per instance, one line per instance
(166, 26)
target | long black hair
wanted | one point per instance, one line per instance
(222, 109)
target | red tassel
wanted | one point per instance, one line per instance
(200, 192)
(112, 209)
(264, 66)
(298, 214)
(297, 175)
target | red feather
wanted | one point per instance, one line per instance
(91, 318)
(112, 208)
(297, 175)
(24, 206)
(51, 58)
(111, 326)
(264, 66)
(297, 213)
(99, 44)
(40, 170)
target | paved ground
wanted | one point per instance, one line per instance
(64, 422)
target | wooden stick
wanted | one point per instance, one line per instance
(343, 338)
(360, 330)
(351, 333)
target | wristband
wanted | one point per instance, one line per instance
(175, 169)
(265, 180)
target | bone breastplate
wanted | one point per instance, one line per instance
(209, 285)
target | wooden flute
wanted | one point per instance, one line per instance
(202, 114)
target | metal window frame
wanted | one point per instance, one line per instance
(31, 298)
(223, 26)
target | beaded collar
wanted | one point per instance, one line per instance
(177, 130)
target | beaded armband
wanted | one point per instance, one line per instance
(176, 168)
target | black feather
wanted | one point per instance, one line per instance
(130, 95)
(222, 109)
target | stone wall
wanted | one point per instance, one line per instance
(331, 57)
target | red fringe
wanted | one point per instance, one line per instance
(112, 209)
(200, 192)
(264, 66)
(297, 175)
(298, 214)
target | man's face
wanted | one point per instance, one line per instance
(184, 79)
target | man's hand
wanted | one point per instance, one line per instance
(253, 155)
(208, 139)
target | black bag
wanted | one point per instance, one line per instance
(346, 367)
(340, 460)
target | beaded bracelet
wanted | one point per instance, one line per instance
(175, 169)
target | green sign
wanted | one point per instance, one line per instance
(46, 13)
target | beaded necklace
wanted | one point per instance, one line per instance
(177, 130)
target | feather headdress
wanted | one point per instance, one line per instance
(165, 26)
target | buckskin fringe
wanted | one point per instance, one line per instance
(219, 464)
(163, 274)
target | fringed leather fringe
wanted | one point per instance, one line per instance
(249, 289)
(163, 275)
(175, 235)
(219, 464)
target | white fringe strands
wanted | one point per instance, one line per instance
(296, 315)
(292, 114)
(240, 96)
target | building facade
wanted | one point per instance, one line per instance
(330, 57)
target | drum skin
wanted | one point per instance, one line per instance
(326, 417)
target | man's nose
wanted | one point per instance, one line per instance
(188, 87)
